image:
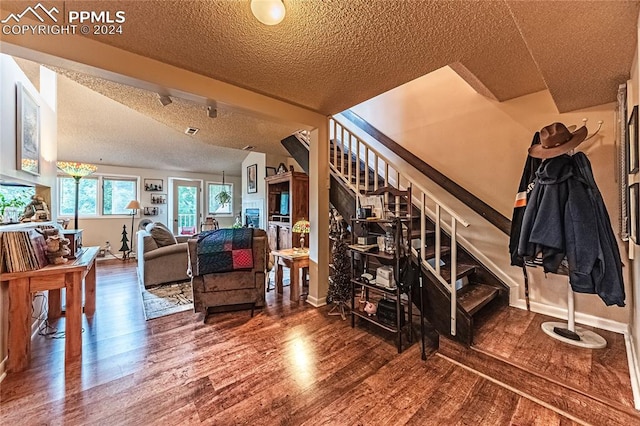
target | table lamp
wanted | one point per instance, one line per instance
(302, 227)
(77, 171)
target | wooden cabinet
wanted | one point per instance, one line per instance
(287, 203)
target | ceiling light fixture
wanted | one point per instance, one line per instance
(212, 112)
(164, 100)
(269, 12)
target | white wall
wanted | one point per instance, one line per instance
(10, 75)
(99, 230)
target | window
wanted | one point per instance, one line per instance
(87, 196)
(215, 207)
(16, 196)
(116, 194)
(97, 195)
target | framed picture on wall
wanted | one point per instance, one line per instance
(269, 171)
(28, 131)
(153, 185)
(252, 179)
(158, 198)
(632, 142)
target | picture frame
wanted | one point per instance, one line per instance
(150, 211)
(153, 185)
(252, 179)
(158, 198)
(632, 141)
(27, 131)
(270, 171)
(634, 194)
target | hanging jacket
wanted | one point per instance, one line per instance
(611, 288)
(561, 220)
(525, 187)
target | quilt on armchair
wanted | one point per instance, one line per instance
(237, 288)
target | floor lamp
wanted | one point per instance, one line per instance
(133, 206)
(77, 171)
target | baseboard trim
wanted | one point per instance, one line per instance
(584, 319)
(634, 371)
(3, 368)
(317, 302)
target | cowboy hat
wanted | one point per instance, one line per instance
(556, 139)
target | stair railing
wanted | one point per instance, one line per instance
(362, 156)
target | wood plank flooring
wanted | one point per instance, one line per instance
(589, 385)
(290, 364)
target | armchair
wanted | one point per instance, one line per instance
(228, 290)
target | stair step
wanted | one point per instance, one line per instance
(585, 406)
(415, 233)
(430, 251)
(462, 271)
(474, 297)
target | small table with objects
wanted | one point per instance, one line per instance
(297, 261)
(53, 278)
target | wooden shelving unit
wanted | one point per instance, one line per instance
(366, 260)
(287, 203)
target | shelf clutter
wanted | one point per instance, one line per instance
(383, 299)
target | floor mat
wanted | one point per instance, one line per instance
(167, 299)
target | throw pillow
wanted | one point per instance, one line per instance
(161, 234)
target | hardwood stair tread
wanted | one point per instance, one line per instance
(461, 271)
(590, 408)
(474, 297)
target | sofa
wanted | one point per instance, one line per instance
(162, 257)
(224, 291)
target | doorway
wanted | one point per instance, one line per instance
(186, 206)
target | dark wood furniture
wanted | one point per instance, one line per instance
(75, 238)
(293, 187)
(396, 228)
(53, 278)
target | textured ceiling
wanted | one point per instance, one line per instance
(330, 55)
(333, 54)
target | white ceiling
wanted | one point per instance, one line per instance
(333, 54)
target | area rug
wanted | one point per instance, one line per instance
(167, 299)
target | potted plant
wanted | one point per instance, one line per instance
(223, 197)
(13, 203)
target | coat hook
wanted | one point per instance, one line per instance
(584, 123)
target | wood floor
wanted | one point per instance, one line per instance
(290, 364)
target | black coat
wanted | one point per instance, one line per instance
(565, 218)
(525, 187)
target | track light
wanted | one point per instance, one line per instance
(212, 112)
(164, 99)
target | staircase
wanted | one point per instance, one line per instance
(456, 287)
(468, 305)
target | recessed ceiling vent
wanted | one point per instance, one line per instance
(249, 148)
(191, 131)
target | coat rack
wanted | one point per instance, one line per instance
(568, 332)
(571, 334)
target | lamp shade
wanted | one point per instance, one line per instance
(76, 170)
(269, 12)
(302, 227)
(133, 205)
